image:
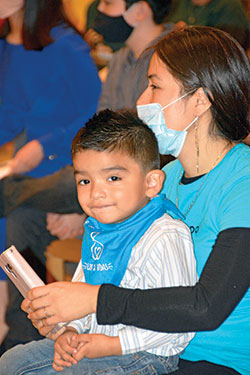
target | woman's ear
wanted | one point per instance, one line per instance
(202, 103)
(154, 182)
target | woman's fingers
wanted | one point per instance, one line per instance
(61, 301)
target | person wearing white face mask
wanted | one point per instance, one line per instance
(170, 141)
(210, 184)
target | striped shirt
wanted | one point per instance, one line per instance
(163, 257)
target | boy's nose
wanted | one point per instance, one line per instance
(97, 191)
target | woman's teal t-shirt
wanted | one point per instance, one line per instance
(222, 203)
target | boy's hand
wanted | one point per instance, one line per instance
(95, 345)
(64, 349)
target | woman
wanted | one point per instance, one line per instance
(200, 79)
(47, 82)
(49, 87)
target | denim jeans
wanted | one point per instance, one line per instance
(36, 357)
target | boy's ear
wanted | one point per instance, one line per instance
(154, 182)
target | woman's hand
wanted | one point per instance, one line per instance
(47, 331)
(27, 158)
(60, 302)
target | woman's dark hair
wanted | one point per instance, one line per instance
(160, 8)
(40, 16)
(206, 57)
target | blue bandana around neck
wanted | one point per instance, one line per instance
(106, 248)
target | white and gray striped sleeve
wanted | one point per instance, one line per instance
(163, 257)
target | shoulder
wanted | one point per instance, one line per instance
(2, 43)
(166, 252)
(236, 166)
(228, 7)
(171, 169)
(121, 55)
(168, 27)
(65, 37)
(166, 229)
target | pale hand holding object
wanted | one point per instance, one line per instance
(63, 300)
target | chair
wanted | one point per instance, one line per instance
(62, 257)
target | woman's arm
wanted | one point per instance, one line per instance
(223, 283)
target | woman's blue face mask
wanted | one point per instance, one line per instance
(170, 141)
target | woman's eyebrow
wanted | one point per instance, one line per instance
(154, 76)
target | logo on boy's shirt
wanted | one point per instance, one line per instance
(97, 247)
(96, 251)
(97, 267)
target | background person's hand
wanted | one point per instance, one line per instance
(27, 158)
(5, 170)
(65, 226)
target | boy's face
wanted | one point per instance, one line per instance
(111, 186)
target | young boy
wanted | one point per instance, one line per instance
(129, 240)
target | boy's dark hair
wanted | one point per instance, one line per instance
(160, 8)
(119, 131)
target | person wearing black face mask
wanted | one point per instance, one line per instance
(96, 41)
(113, 29)
(137, 23)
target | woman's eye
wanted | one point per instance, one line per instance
(153, 87)
(83, 182)
(113, 178)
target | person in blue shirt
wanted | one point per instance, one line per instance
(197, 103)
(49, 87)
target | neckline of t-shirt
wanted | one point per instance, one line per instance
(189, 180)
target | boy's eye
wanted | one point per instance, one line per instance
(83, 182)
(113, 178)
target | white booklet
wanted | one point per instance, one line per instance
(21, 274)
